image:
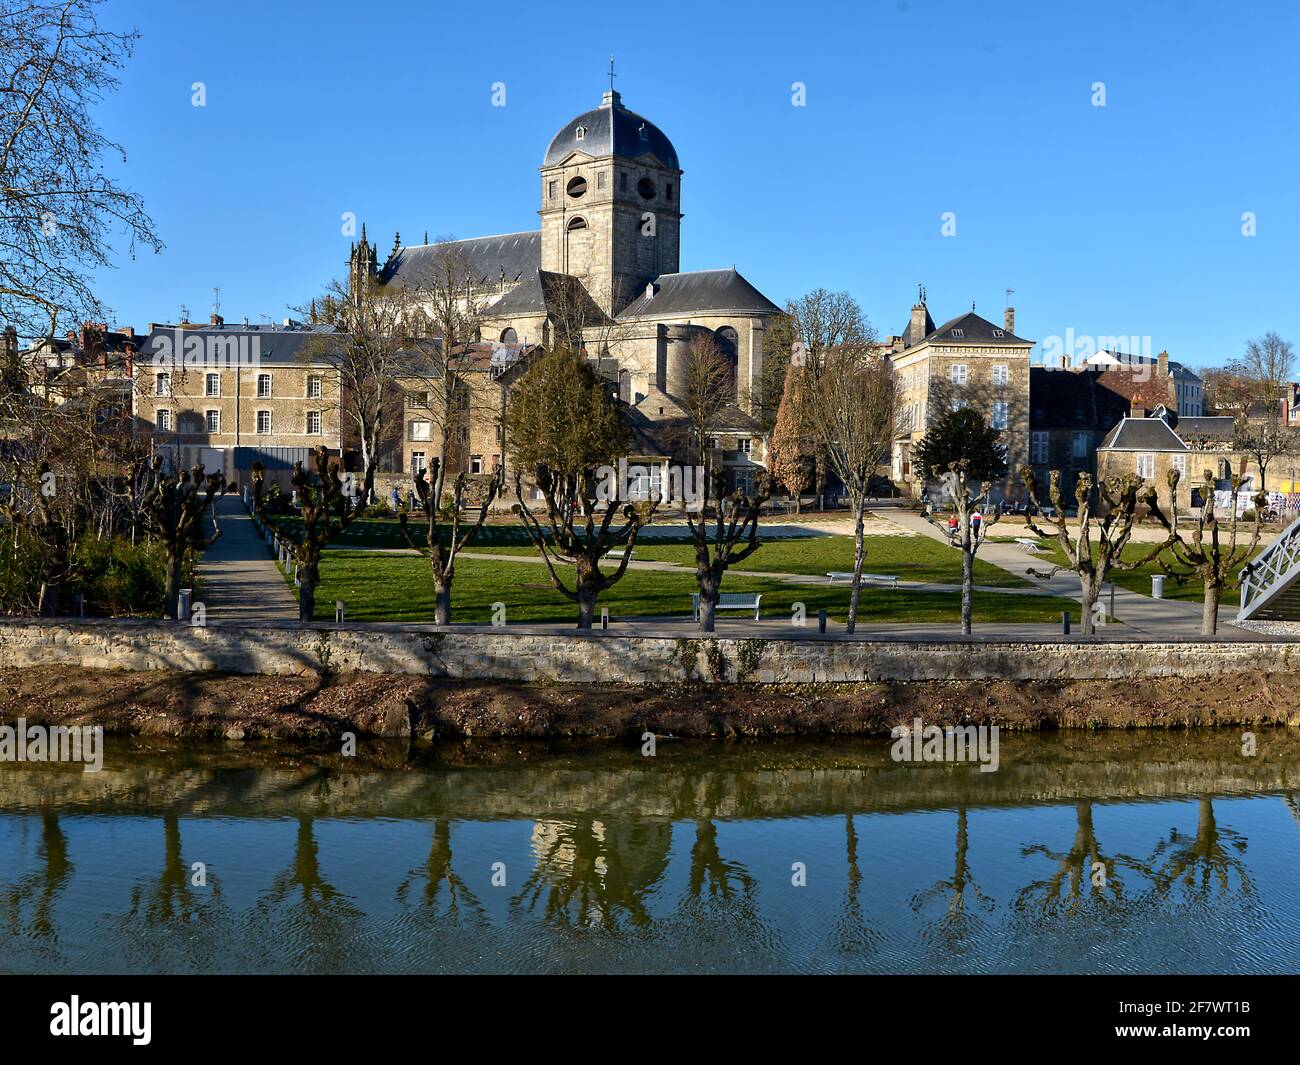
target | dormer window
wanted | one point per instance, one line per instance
(959, 332)
(998, 333)
(581, 132)
(642, 132)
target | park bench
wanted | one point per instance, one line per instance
(620, 554)
(874, 578)
(730, 601)
(1028, 544)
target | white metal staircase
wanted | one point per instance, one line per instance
(1270, 585)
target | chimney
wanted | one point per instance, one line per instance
(216, 321)
(1136, 409)
(917, 332)
(127, 331)
(1162, 361)
(1009, 320)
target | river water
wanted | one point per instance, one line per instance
(1131, 852)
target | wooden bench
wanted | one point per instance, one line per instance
(1029, 545)
(874, 578)
(620, 554)
(730, 601)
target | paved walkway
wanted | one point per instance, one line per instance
(1140, 613)
(240, 580)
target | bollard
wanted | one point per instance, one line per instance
(821, 621)
(604, 617)
(183, 604)
(338, 611)
(1065, 623)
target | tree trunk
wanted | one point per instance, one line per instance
(172, 583)
(442, 608)
(47, 603)
(967, 584)
(859, 554)
(587, 587)
(1089, 589)
(586, 606)
(1210, 612)
(309, 575)
(708, 600)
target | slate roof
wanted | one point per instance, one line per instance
(543, 291)
(716, 291)
(972, 329)
(611, 129)
(1109, 359)
(1212, 427)
(1143, 434)
(909, 339)
(486, 258)
(276, 344)
(1065, 399)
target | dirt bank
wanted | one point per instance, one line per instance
(257, 707)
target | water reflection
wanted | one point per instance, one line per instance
(581, 861)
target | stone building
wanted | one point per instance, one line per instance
(227, 396)
(966, 362)
(1069, 414)
(603, 269)
(1147, 382)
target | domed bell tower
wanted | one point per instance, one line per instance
(611, 203)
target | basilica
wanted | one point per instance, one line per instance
(607, 256)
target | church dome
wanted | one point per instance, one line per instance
(611, 129)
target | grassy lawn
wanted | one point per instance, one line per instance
(1139, 580)
(379, 587)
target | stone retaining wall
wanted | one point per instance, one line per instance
(512, 655)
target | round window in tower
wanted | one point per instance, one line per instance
(577, 187)
(646, 188)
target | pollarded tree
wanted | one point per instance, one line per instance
(732, 517)
(563, 424)
(439, 553)
(965, 455)
(1121, 497)
(329, 505)
(1206, 555)
(852, 413)
(173, 507)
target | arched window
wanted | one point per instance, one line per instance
(728, 341)
(509, 336)
(577, 223)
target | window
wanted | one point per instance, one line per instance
(957, 373)
(1080, 445)
(314, 387)
(576, 224)
(263, 422)
(645, 189)
(264, 386)
(1000, 409)
(745, 445)
(313, 423)
(577, 187)
(1001, 374)
(162, 384)
(668, 192)
(998, 333)
(163, 420)
(417, 399)
(419, 431)
(581, 132)
(1179, 463)
(710, 443)
(212, 384)
(1037, 447)
(552, 189)
(212, 421)
(417, 463)
(622, 181)
(476, 464)
(959, 332)
(1146, 467)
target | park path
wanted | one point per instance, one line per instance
(1141, 613)
(241, 582)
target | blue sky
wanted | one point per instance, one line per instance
(1116, 220)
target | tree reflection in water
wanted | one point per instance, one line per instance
(851, 934)
(438, 871)
(957, 924)
(172, 899)
(40, 889)
(1077, 882)
(590, 873)
(1201, 864)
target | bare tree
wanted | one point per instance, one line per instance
(1261, 431)
(563, 424)
(1121, 497)
(61, 212)
(1206, 554)
(852, 412)
(329, 505)
(174, 509)
(442, 556)
(710, 391)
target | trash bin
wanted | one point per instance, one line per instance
(1158, 586)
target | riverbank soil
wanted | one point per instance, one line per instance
(316, 708)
